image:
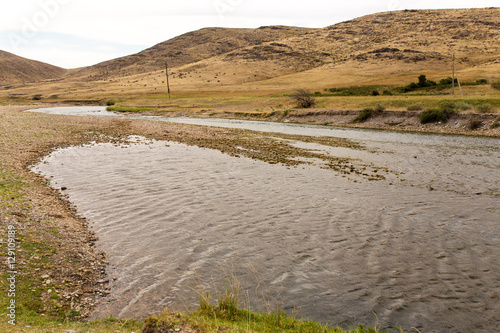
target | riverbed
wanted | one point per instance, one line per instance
(418, 248)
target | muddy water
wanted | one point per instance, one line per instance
(419, 249)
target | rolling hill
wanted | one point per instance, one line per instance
(187, 49)
(408, 40)
(15, 69)
(389, 47)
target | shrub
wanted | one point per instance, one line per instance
(37, 97)
(462, 106)
(387, 93)
(379, 107)
(433, 116)
(415, 107)
(496, 124)
(363, 116)
(484, 108)
(447, 106)
(375, 93)
(474, 123)
(303, 98)
(496, 85)
(422, 80)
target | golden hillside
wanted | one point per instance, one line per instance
(187, 49)
(15, 69)
(383, 48)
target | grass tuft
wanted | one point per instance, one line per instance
(434, 116)
(364, 115)
(415, 107)
(484, 108)
(128, 109)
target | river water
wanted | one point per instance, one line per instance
(419, 249)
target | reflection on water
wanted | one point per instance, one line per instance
(422, 252)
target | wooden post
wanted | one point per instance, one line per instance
(459, 86)
(168, 83)
(453, 79)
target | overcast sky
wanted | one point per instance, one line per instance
(76, 33)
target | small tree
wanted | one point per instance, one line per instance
(422, 81)
(303, 98)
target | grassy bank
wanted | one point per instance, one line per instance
(60, 274)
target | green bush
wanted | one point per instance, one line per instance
(415, 107)
(379, 107)
(496, 85)
(447, 106)
(462, 106)
(496, 124)
(484, 108)
(363, 116)
(433, 116)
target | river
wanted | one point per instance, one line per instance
(418, 249)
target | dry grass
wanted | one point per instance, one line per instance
(386, 48)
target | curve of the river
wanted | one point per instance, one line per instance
(422, 250)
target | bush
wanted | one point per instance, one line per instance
(496, 85)
(433, 116)
(447, 106)
(37, 97)
(415, 107)
(375, 93)
(363, 116)
(462, 106)
(379, 107)
(474, 123)
(304, 99)
(496, 124)
(484, 108)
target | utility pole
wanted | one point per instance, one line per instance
(455, 74)
(453, 80)
(168, 83)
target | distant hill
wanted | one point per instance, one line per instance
(15, 69)
(188, 48)
(402, 37)
(390, 47)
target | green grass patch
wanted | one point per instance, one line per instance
(484, 108)
(370, 90)
(434, 116)
(225, 316)
(363, 116)
(10, 187)
(40, 324)
(128, 109)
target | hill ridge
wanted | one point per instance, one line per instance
(15, 69)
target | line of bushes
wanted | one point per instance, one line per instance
(423, 84)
